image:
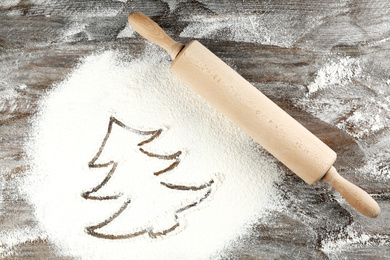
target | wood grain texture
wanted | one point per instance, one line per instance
(40, 43)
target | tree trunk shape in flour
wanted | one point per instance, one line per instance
(146, 203)
(270, 126)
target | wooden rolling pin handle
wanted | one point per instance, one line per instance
(151, 31)
(355, 196)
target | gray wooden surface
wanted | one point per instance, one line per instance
(38, 49)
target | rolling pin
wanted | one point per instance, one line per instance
(269, 125)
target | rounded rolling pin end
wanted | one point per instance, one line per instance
(134, 18)
(152, 32)
(132, 14)
(355, 196)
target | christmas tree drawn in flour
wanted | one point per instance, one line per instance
(146, 203)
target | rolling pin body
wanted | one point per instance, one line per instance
(253, 112)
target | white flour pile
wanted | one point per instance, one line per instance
(223, 183)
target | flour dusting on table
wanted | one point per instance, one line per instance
(344, 94)
(350, 240)
(127, 32)
(336, 73)
(170, 178)
(10, 239)
(2, 181)
(244, 25)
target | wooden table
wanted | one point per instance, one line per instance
(39, 46)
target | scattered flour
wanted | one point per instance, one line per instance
(378, 165)
(7, 92)
(91, 10)
(10, 239)
(8, 3)
(144, 95)
(173, 4)
(360, 119)
(268, 28)
(74, 29)
(127, 32)
(2, 181)
(353, 115)
(360, 108)
(336, 73)
(352, 239)
(11, 101)
(366, 120)
(249, 28)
